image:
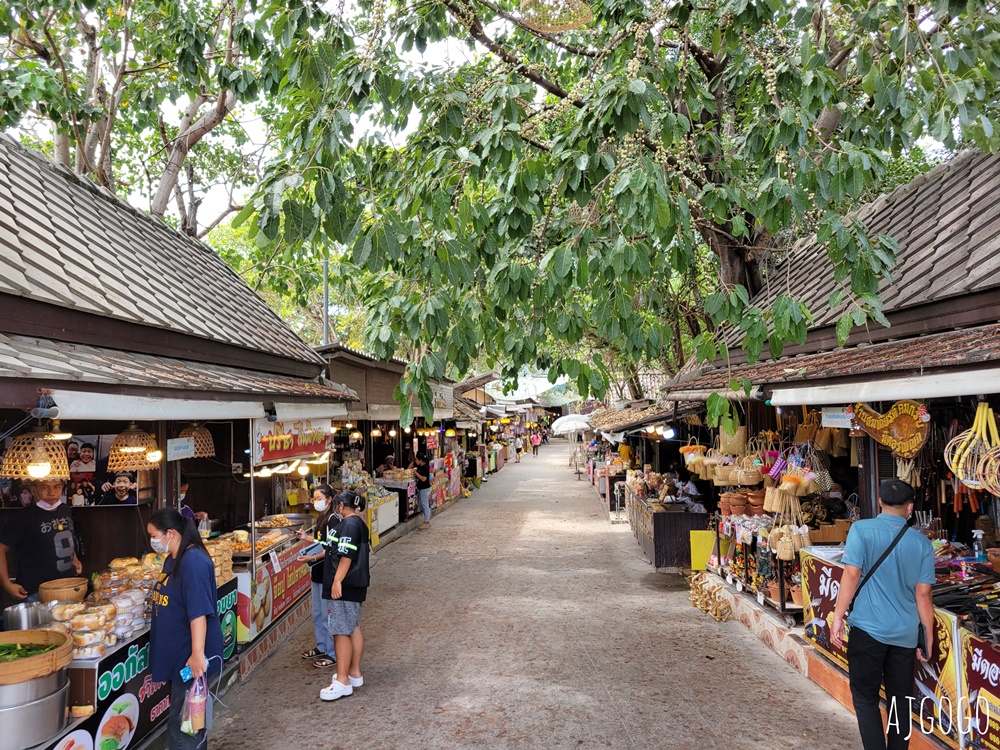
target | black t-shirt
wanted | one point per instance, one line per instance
(323, 533)
(425, 470)
(43, 542)
(352, 541)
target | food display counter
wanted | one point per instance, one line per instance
(409, 503)
(266, 593)
(127, 705)
(663, 531)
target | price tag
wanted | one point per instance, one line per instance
(760, 598)
(729, 578)
(739, 586)
(273, 555)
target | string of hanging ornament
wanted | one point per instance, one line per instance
(553, 16)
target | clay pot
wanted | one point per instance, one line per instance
(738, 507)
(755, 497)
(796, 592)
(755, 510)
(724, 508)
(773, 591)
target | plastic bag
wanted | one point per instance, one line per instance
(195, 703)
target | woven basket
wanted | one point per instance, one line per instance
(204, 445)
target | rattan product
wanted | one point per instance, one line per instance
(133, 449)
(204, 445)
(32, 456)
(971, 451)
(551, 16)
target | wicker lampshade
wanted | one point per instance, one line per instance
(204, 446)
(31, 456)
(133, 449)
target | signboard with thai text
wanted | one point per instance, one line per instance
(286, 441)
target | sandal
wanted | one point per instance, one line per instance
(325, 662)
(312, 653)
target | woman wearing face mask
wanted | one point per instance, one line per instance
(322, 652)
(185, 629)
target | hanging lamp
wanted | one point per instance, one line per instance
(133, 449)
(204, 445)
(34, 456)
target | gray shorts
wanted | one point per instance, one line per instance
(342, 618)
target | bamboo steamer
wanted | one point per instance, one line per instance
(63, 590)
(22, 670)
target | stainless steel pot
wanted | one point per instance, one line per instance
(30, 691)
(26, 616)
(35, 722)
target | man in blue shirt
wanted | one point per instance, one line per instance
(882, 641)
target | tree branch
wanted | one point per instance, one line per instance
(571, 48)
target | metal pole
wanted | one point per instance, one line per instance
(326, 301)
(253, 512)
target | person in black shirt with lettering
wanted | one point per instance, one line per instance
(41, 536)
(345, 587)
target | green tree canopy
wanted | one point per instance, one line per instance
(560, 185)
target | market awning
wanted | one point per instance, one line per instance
(94, 382)
(937, 385)
(953, 363)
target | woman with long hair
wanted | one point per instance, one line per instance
(322, 652)
(345, 585)
(185, 629)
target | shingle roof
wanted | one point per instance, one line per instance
(67, 242)
(27, 357)
(970, 346)
(947, 224)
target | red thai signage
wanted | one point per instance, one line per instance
(264, 599)
(286, 441)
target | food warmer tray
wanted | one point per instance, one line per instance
(288, 534)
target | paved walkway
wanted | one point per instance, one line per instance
(523, 619)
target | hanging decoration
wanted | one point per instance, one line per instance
(903, 429)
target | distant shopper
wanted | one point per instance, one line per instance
(345, 586)
(185, 627)
(41, 535)
(518, 448)
(884, 612)
(536, 440)
(389, 464)
(324, 532)
(422, 471)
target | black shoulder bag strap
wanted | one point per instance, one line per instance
(875, 567)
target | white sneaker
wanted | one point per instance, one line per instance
(334, 691)
(356, 681)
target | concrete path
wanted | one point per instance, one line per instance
(523, 619)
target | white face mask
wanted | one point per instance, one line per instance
(181, 497)
(47, 506)
(159, 545)
(321, 505)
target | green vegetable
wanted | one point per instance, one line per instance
(121, 706)
(14, 651)
(109, 743)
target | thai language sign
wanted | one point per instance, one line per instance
(286, 441)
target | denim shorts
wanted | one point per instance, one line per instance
(342, 618)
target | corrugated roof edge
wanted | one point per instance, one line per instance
(102, 192)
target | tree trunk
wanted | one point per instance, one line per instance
(62, 154)
(734, 267)
(184, 142)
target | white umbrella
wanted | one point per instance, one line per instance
(570, 423)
